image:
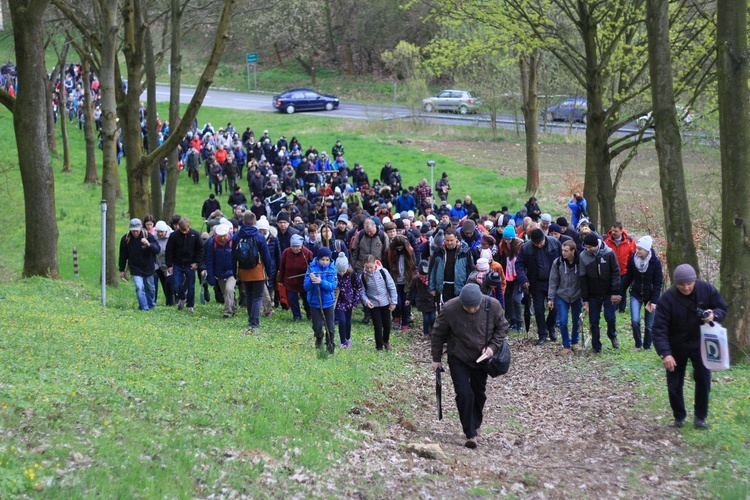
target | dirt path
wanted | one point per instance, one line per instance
(553, 428)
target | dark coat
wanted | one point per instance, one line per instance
(646, 287)
(184, 249)
(600, 273)
(533, 264)
(140, 258)
(219, 260)
(677, 328)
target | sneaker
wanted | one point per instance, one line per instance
(190, 310)
(574, 348)
(227, 316)
(471, 443)
(594, 350)
(249, 331)
(615, 343)
(553, 338)
(565, 351)
(540, 342)
(387, 346)
(396, 324)
(294, 320)
(318, 342)
(698, 423)
(405, 328)
(365, 320)
(343, 346)
(678, 423)
(636, 349)
(349, 343)
(180, 304)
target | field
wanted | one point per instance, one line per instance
(120, 403)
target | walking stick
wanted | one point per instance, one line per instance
(581, 318)
(329, 336)
(439, 392)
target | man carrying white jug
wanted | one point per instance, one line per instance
(680, 312)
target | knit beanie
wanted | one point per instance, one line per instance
(471, 295)
(537, 235)
(509, 232)
(483, 264)
(562, 221)
(684, 274)
(555, 228)
(591, 240)
(324, 252)
(645, 242)
(342, 263)
(468, 227)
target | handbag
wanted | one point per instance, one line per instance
(499, 363)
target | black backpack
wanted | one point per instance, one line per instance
(246, 253)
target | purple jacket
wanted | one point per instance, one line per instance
(350, 292)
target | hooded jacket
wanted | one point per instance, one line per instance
(140, 258)
(462, 269)
(564, 280)
(379, 287)
(623, 250)
(327, 286)
(600, 273)
(646, 286)
(257, 273)
(219, 260)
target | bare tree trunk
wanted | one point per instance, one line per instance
(734, 106)
(88, 124)
(66, 148)
(677, 222)
(51, 137)
(529, 68)
(329, 31)
(170, 191)
(277, 53)
(30, 125)
(349, 58)
(151, 124)
(109, 26)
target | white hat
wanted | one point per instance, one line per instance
(417, 223)
(262, 223)
(431, 217)
(386, 220)
(645, 242)
(396, 216)
(483, 265)
(546, 218)
(161, 226)
(410, 213)
(488, 224)
(225, 221)
(222, 230)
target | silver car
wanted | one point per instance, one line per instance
(458, 101)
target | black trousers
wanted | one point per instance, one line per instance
(545, 325)
(381, 320)
(676, 381)
(470, 384)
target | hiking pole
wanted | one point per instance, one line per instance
(439, 392)
(329, 336)
(581, 318)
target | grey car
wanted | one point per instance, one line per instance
(458, 101)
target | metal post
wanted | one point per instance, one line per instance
(255, 74)
(104, 252)
(75, 261)
(248, 77)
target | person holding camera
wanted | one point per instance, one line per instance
(680, 312)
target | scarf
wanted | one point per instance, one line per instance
(641, 264)
(510, 269)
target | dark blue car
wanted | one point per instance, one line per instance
(572, 109)
(304, 100)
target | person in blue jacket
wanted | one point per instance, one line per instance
(578, 207)
(219, 255)
(320, 284)
(458, 210)
(405, 202)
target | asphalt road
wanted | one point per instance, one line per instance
(359, 111)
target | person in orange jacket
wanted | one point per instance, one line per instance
(624, 247)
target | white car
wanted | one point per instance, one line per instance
(684, 114)
(458, 101)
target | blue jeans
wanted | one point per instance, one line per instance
(184, 277)
(254, 297)
(635, 321)
(402, 310)
(345, 324)
(428, 320)
(595, 310)
(513, 297)
(145, 292)
(562, 308)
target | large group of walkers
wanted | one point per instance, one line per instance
(319, 238)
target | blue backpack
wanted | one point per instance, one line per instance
(246, 253)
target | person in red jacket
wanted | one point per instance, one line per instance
(292, 269)
(624, 247)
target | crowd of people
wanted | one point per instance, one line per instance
(317, 232)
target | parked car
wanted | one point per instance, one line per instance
(685, 115)
(572, 109)
(458, 101)
(304, 100)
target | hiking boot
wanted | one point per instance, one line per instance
(679, 424)
(190, 310)
(594, 350)
(318, 342)
(405, 328)
(349, 343)
(540, 342)
(249, 331)
(471, 443)
(180, 304)
(574, 348)
(565, 351)
(396, 324)
(615, 343)
(387, 346)
(698, 423)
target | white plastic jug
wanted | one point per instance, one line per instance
(714, 347)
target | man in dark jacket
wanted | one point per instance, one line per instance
(600, 288)
(534, 265)
(210, 206)
(680, 313)
(138, 249)
(472, 325)
(220, 266)
(184, 253)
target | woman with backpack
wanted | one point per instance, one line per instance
(380, 298)
(349, 295)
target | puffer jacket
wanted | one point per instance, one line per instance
(379, 288)
(600, 273)
(350, 291)
(646, 287)
(274, 249)
(219, 260)
(326, 289)
(463, 268)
